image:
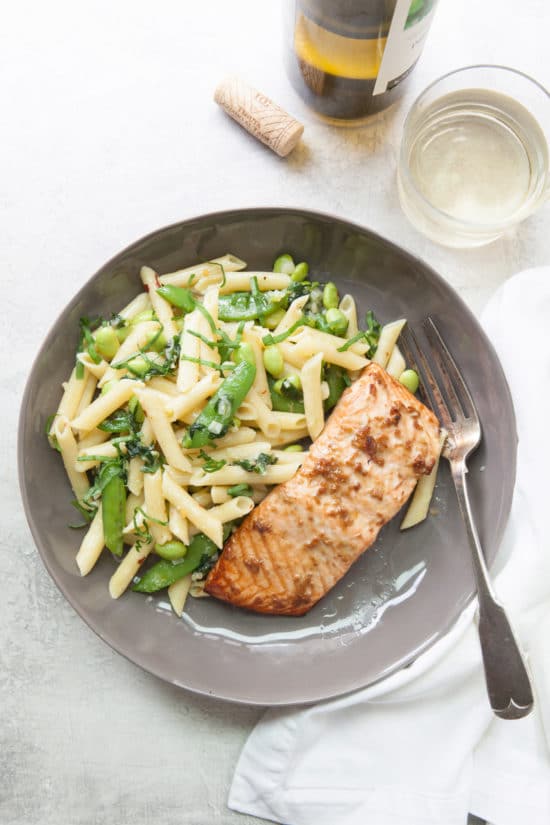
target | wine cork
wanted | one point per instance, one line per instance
(259, 115)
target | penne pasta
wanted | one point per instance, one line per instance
(96, 453)
(196, 514)
(137, 305)
(97, 370)
(219, 494)
(87, 395)
(260, 385)
(211, 269)
(92, 544)
(290, 437)
(396, 363)
(92, 439)
(324, 340)
(203, 498)
(240, 282)
(292, 314)
(289, 458)
(233, 509)
(135, 475)
(102, 407)
(348, 308)
(266, 420)
(154, 406)
(309, 344)
(230, 475)
(128, 568)
(203, 327)
(178, 524)
(69, 451)
(419, 504)
(163, 310)
(164, 385)
(239, 451)
(289, 421)
(177, 593)
(242, 435)
(133, 502)
(388, 338)
(73, 391)
(313, 401)
(188, 371)
(155, 507)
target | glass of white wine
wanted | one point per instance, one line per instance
(474, 158)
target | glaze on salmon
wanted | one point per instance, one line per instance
(304, 536)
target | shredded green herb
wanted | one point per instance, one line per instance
(370, 335)
(210, 465)
(259, 465)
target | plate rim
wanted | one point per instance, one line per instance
(238, 213)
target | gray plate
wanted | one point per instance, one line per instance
(398, 599)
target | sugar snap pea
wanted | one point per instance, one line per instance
(337, 380)
(178, 296)
(165, 572)
(284, 263)
(217, 415)
(113, 511)
(106, 342)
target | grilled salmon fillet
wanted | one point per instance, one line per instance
(304, 536)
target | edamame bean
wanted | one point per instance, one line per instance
(294, 448)
(337, 321)
(273, 361)
(106, 342)
(122, 332)
(300, 272)
(291, 385)
(171, 550)
(138, 366)
(330, 296)
(409, 379)
(284, 263)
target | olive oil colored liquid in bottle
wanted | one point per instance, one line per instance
(348, 58)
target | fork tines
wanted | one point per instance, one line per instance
(445, 389)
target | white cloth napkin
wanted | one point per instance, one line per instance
(423, 748)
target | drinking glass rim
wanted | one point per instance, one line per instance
(403, 168)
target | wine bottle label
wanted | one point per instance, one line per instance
(409, 26)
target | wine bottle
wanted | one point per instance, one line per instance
(348, 58)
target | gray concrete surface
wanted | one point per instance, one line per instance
(108, 132)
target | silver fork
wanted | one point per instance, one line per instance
(506, 675)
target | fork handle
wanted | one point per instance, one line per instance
(508, 683)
